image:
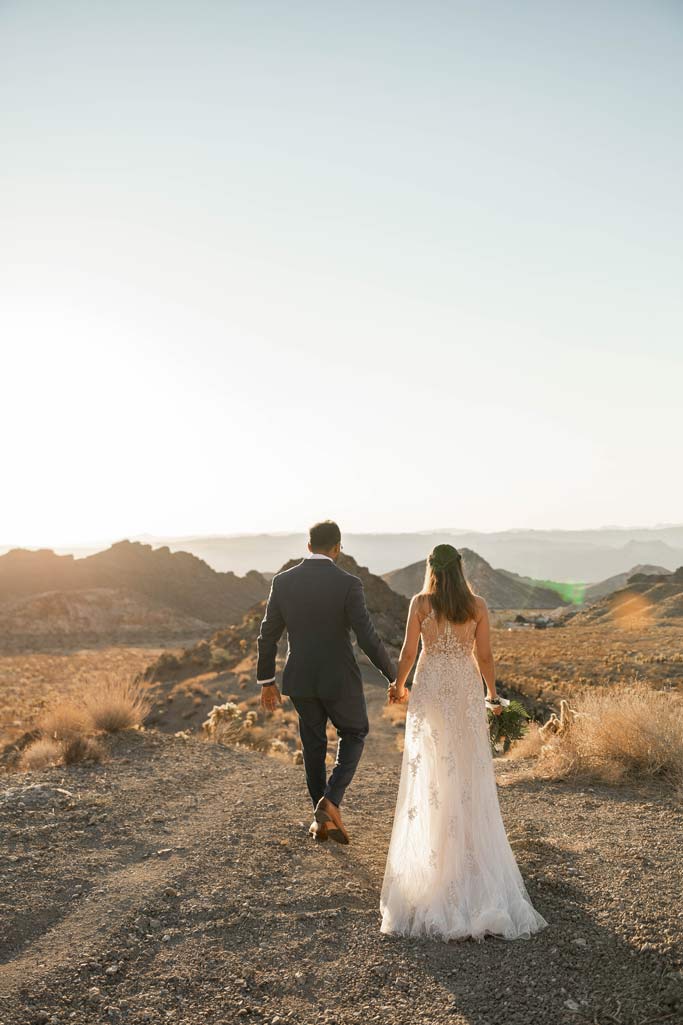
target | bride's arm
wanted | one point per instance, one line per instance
(484, 653)
(411, 643)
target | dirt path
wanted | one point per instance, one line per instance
(177, 883)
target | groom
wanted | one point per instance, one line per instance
(318, 604)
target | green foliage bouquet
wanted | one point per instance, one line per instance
(511, 724)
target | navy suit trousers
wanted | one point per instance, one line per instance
(349, 717)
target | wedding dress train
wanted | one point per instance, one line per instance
(451, 872)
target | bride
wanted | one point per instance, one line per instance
(450, 871)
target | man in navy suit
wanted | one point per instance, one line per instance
(319, 604)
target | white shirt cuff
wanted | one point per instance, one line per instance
(262, 683)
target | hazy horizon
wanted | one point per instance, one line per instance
(157, 540)
(384, 263)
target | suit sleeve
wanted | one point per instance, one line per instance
(272, 628)
(358, 618)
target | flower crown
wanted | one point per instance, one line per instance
(443, 556)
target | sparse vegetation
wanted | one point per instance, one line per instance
(624, 734)
(81, 749)
(117, 705)
(231, 723)
(64, 720)
(41, 754)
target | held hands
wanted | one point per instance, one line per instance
(270, 697)
(397, 696)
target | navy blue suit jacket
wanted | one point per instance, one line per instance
(319, 604)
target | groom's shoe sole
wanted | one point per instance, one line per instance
(335, 830)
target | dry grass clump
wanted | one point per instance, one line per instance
(621, 734)
(46, 752)
(81, 749)
(117, 705)
(41, 754)
(529, 746)
(64, 720)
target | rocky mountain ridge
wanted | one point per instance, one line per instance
(649, 598)
(500, 589)
(178, 581)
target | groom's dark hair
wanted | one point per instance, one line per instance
(324, 536)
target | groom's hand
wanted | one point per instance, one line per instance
(270, 697)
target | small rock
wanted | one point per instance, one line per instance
(111, 970)
(579, 941)
(94, 994)
(571, 1005)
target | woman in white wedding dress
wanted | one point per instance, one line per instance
(450, 871)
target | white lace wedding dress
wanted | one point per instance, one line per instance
(451, 872)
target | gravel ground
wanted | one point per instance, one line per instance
(177, 883)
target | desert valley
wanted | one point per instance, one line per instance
(152, 868)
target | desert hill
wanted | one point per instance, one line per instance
(604, 587)
(177, 580)
(500, 589)
(87, 617)
(646, 598)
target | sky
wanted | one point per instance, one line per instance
(403, 265)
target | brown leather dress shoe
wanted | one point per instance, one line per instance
(328, 814)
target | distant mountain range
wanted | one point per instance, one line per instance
(112, 594)
(500, 589)
(581, 555)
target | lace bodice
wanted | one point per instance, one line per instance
(453, 640)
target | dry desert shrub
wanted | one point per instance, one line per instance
(117, 704)
(41, 754)
(64, 720)
(225, 724)
(81, 749)
(529, 746)
(623, 734)
(230, 723)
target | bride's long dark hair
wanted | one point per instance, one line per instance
(445, 585)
